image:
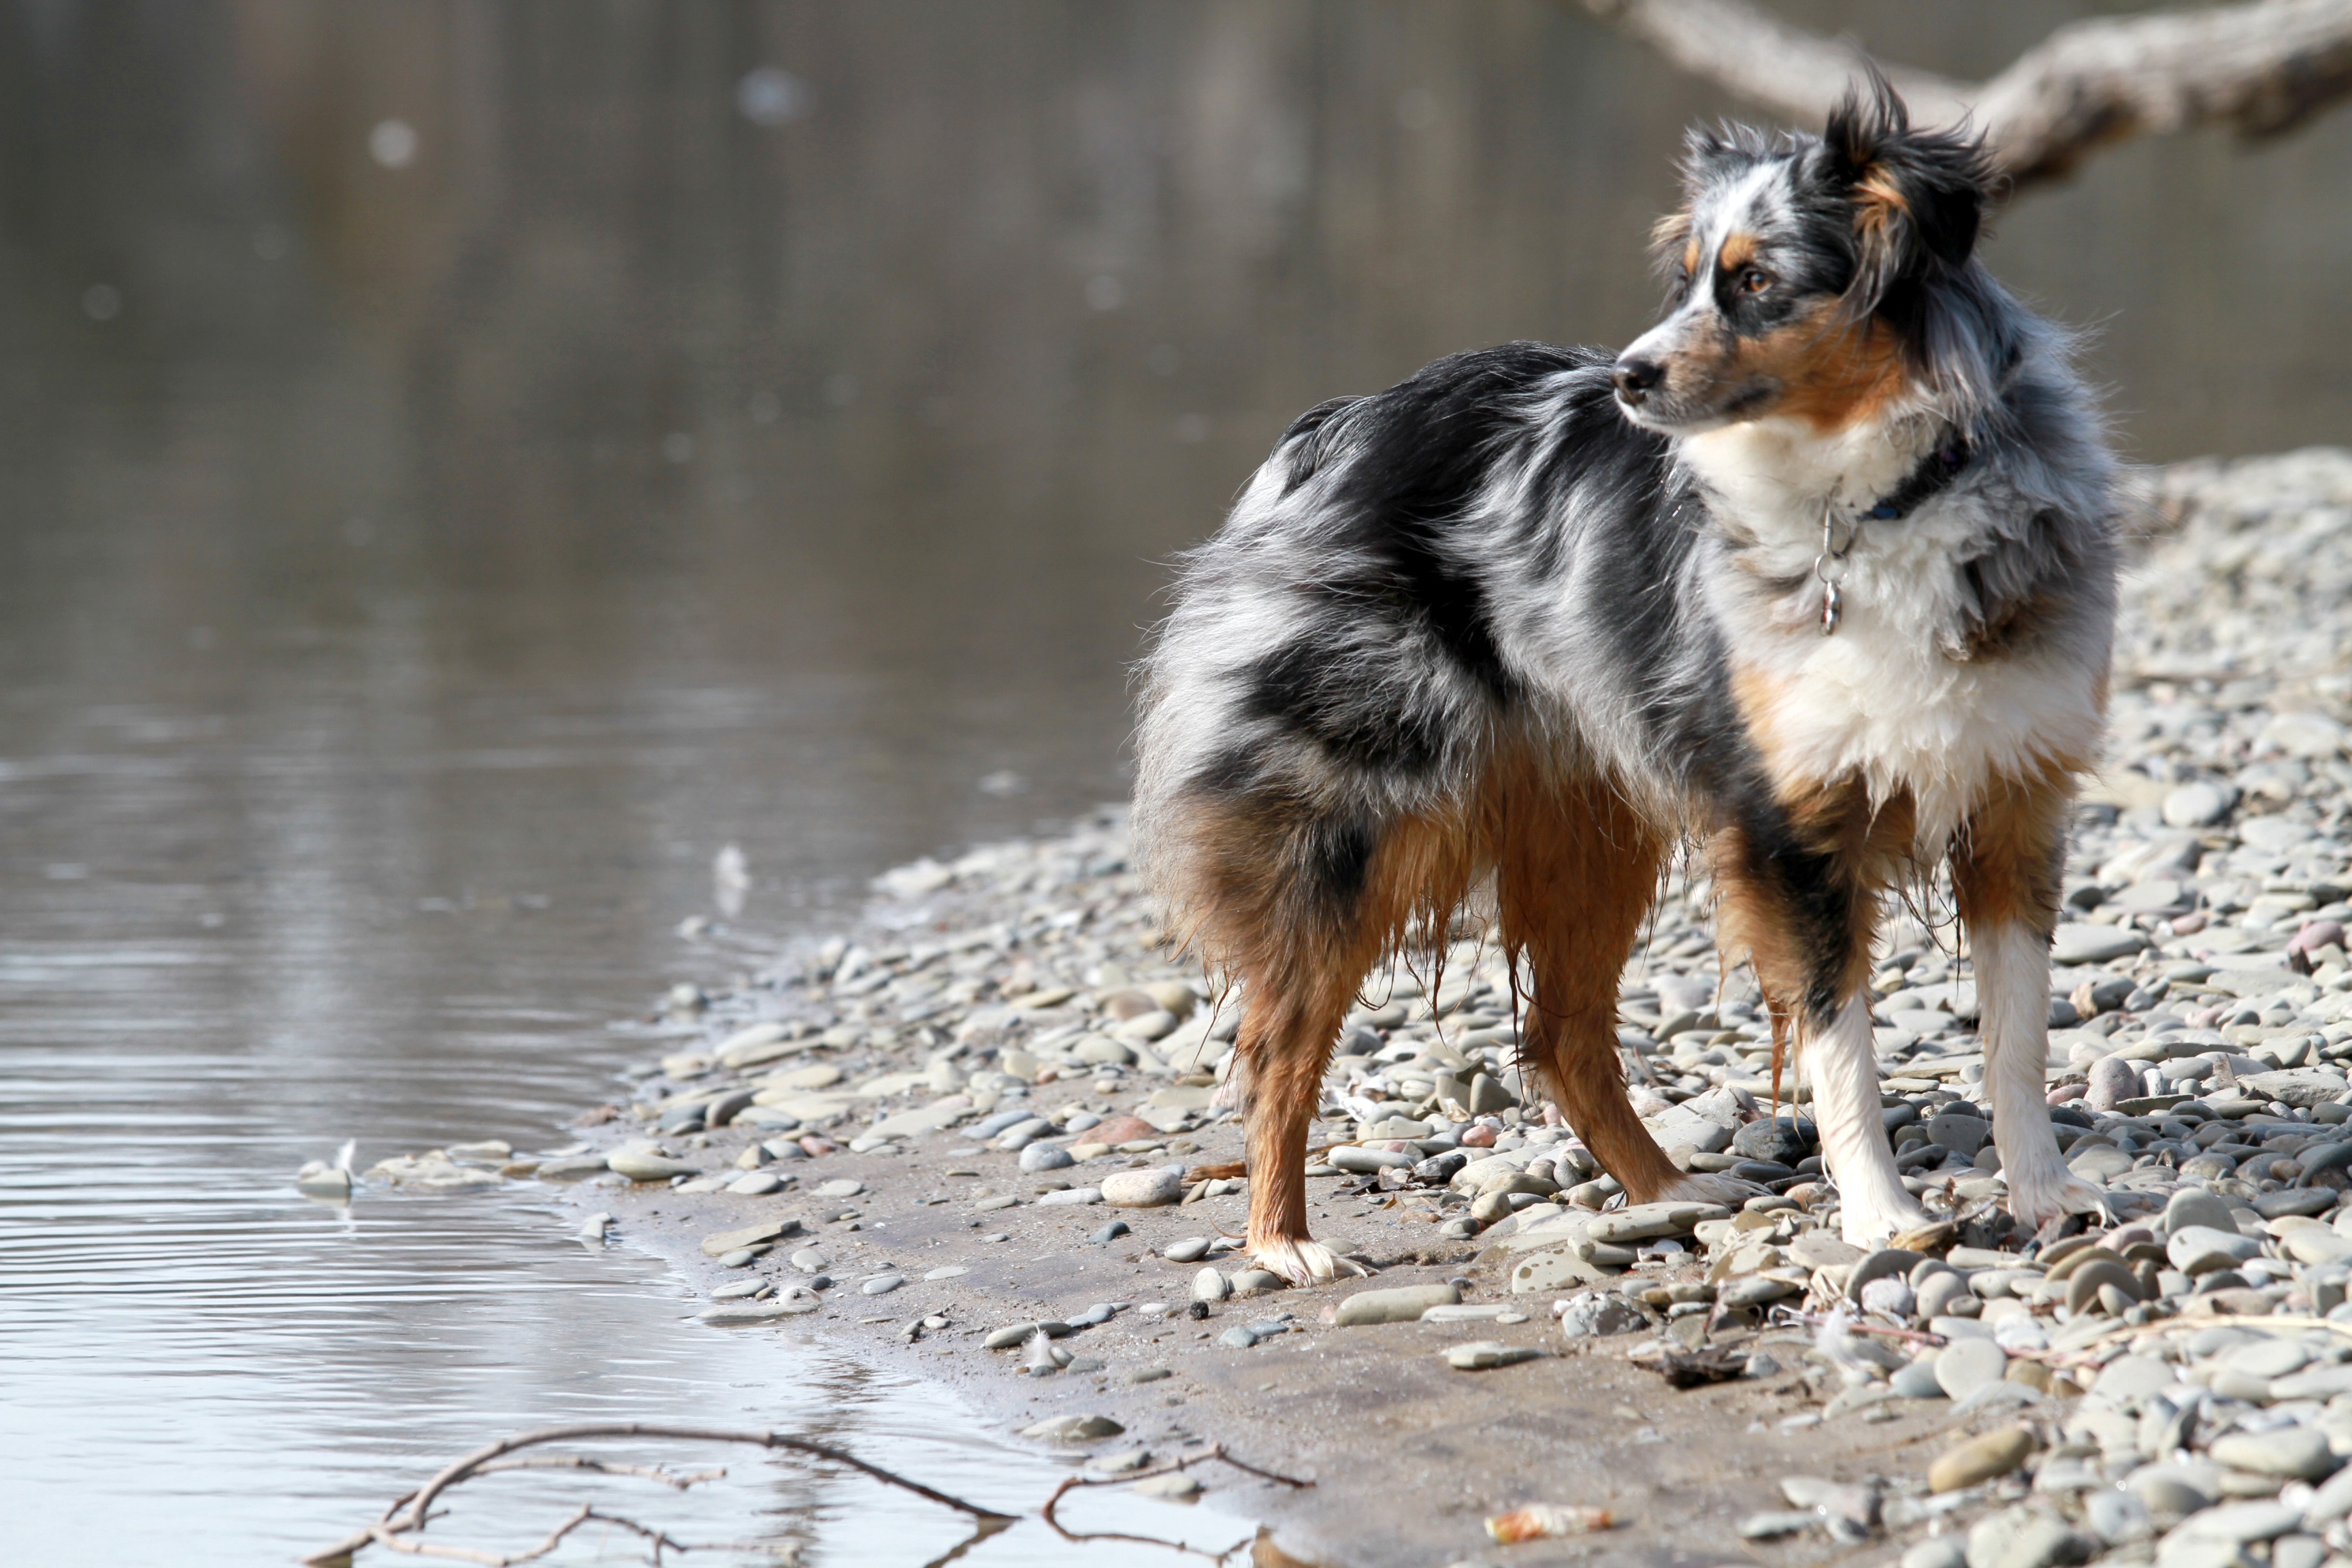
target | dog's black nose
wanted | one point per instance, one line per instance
(1636, 378)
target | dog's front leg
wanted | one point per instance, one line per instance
(2005, 872)
(1843, 1063)
(1799, 902)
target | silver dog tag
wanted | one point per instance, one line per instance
(1833, 608)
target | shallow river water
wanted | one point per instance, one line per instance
(462, 465)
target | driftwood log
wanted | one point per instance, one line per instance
(2259, 68)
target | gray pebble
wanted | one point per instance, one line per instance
(1890, 1296)
(1037, 1157)
(1917, 1381)
(2116, 1516)
(1937, 1552)
(1598, 1313)
(1938, 1291)
(2296, 1453)
(883, 1284)
(2023, 1538)
(2113, 1081)
(2198, 804)
(1967, 1365)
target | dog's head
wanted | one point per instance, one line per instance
(1803, 273)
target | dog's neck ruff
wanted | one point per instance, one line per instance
(1937, 470)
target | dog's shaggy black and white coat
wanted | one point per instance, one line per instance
(1521, 624)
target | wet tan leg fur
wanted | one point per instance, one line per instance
(1299, 963)
(1576, 871)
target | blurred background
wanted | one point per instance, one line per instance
(461, 464)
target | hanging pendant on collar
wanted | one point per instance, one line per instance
(1934, 471)
(1825, 564)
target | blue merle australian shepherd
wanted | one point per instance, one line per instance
(1817, 575)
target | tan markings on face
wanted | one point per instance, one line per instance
(1832, 373)
(1738, 250)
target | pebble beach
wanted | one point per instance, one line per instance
(979, 1136)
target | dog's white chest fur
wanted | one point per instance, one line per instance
(1893, 696)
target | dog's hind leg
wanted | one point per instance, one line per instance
(1576, 871)
(2005, 872)
(1287, 1030)
(1306, 907)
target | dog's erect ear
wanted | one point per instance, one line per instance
(1918, 196)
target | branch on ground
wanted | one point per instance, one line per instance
(2259, 68)
(407, 1516)
(403, 1522)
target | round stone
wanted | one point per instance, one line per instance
(2023, 1538)
(1209, 1285)
(883, 1284)
(1144, 1189)
(1917, 1381)
(2113, 1081)
(1890, 1297)
(646, 1165)
(1939, 1290)
(1979, 1459)
(1967, 1365)
(2267, 1358)
(1598, 1313)
(2196, 806)
(1784, 1143)
(2116, 1516)
(2193, 1205)
(1038, 1157)
(1887, 1261)
(2298, 1452)
(2131, 1377)
(1959, 1132)
(2083, 1285)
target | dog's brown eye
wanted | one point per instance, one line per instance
(1755, 280)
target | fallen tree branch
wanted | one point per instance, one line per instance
(2260, 68)
(408, 1515)
(407, 1518)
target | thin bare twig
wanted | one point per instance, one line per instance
(384, 1536)
(605, 1467)
(1815, 1319)
(1214, 1451)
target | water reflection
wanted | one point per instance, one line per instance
(466, 465)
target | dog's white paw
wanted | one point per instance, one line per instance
(1305, 1262)
(1870, 1223)
(1716, 1188)
(2036, 1201)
